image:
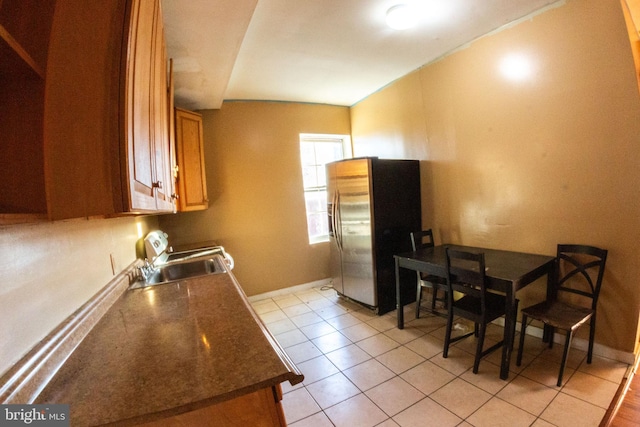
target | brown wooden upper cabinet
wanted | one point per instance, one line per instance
(84, 113)
(192, 181)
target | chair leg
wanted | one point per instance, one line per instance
(513, 329)
(552, 332)
(592, 335)
(476, 362)
(447, 335)
(434, 297)
(565, 353)
(418, 298)
(523, 331)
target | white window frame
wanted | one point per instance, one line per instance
(347, 153)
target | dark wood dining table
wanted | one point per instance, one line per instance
(506, 271)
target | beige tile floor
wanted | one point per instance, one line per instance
(360, 371)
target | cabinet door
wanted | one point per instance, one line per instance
(148, 153)
(262, 408)
(140, 151)
(192, 180)
(161, 143)
(84, 109)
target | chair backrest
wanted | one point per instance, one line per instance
(466, 273)
(579, 270)
(422, 239)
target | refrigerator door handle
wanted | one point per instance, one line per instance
(334, 220)
(330, 214)
(338, 221)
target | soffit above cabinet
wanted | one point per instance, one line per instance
(203, 39)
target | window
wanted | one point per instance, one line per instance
(315, 152)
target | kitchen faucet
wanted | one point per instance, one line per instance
(146, 270)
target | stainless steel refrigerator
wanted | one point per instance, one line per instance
(373, 206)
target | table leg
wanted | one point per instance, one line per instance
(509, 329)
(399, 308)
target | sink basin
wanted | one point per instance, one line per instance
(182, 269)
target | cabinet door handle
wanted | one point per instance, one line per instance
(157, 184)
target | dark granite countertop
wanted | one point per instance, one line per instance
(168, 349)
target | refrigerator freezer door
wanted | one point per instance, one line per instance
(355, 231)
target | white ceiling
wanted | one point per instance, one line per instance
(320, 51)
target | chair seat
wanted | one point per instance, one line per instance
(495, 305)
(558, 314)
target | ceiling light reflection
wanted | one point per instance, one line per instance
(401, 17)
(516, 67)
(418, 13)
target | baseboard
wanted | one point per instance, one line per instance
(24, 381)
(285, 291)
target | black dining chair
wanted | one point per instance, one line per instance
(424, 239)
(466, 275)
(579, 271)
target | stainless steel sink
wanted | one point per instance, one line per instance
(162, 265)
(182, 268)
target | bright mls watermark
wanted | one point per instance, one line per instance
(34, 415)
